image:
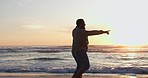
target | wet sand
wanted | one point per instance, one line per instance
(46, 75)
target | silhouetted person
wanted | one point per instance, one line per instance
(79, 46)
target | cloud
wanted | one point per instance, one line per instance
(33, 26)
(22, 3)
(31, 0)
(67, 29)
(26, 0)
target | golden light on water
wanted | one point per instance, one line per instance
(132, 52)
(131, 55)
(132, 77)
(128, 77)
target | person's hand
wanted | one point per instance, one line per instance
(108, 32)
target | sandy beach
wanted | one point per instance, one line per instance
(46, 75)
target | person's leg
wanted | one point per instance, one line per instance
(82, 62)
(79, 65)
(83, 58)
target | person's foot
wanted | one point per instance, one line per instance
(76, 76)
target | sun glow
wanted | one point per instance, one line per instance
(128, 23)
(127, 41)
(39, 22)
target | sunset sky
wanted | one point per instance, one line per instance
(50, 22)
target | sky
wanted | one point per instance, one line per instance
(50, 22)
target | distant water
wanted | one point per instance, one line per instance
(58, 59)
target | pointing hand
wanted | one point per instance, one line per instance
(108, 32)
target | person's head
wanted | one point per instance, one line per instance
(80, 23)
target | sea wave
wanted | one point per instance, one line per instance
(107, 70)
(58, 59)
(34, 49)
(46, 59)
(51, 49)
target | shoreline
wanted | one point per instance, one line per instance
(68, 75)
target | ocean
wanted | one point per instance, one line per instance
(58, 59)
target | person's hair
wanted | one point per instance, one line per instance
(79, 21)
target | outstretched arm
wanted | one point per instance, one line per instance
(96, 32)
